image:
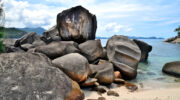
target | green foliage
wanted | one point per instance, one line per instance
(1, 39)
(177, 30)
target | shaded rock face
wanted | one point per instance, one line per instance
(172, 68)
(27, 38)
(76, 24)
(91, 49)
(58, 49)
(31, 76)
(103, 72)
(28, 41)
(51, 35)
(9, 46)
(145, 49)
(74, 65)
(124, 54)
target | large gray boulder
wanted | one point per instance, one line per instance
(145, 49)
(91, 49)
(51, 35)
(31, 76)
(103, 72)
(172, 68)
(74, 65)
(58, 49)
(76, 24)
(124, 54)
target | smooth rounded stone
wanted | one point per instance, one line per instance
(145, 49)
(31, 76)
(103, 72)
(124, 54)
(76, 93)
(51, 35)
(117, 74)
(27, 38)
(58, 49)
(32, 50)
(101, 98)
(74, 65)
(26, 47)
(119, 81)
(89, 82)
(91, 49)
(172, 68)
(76, 24)
(99, 89)
(38, 43)
(131, 87)
(112, 93)
(151, 73)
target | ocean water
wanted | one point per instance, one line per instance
(152, 70)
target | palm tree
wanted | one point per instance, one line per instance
(177, 30)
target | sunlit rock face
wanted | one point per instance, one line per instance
(124, 54)
(76, 24)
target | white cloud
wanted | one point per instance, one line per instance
(115, 28)
(24, 14)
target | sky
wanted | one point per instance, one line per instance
(114, 17)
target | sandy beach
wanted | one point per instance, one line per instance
(164, 92)
(155, 94)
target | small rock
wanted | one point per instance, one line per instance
(89, 82)
(117, 74)
(118, 80)
(112, 93)
(131, 87)
(101, 98)
(99, 89)
(151, 73)
(141, 85)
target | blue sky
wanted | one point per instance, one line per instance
(124, 17)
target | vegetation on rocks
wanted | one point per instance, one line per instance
(1, 41)
(177, 30)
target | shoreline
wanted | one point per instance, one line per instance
(171, 93)
(151, 90)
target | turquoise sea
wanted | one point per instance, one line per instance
(150, 73)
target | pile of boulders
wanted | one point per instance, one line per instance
(66, 57)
